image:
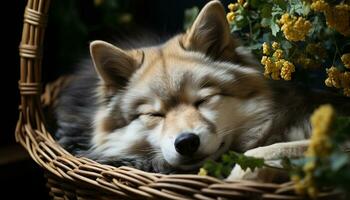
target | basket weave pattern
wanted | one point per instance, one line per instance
(69, 177)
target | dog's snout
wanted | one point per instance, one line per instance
(187, 144)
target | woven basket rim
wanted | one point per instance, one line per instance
(70, 177)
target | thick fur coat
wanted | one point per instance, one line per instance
(130, 106)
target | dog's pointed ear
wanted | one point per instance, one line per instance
(210, 32)
(114, 65)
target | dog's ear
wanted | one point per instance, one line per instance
(210, 32)
(114, 65)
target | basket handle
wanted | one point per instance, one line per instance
(30, 51)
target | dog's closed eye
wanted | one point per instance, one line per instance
(204, 100)
(155, 114)
(199, 102)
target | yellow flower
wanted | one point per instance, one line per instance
(241, 1)
(345, 58)
(322, 118)
(202, 172)
(298, 186)
(308, 63)
(345, 82)
(287, 70)
(312, 192)
(270, 68)
(275, 66)
(232, 6)
(294, 28)
(285, 18)
(316, 49)
(245, 5)
(295, 178)
(321, 121)
(98, 2)
(278, 54)
(310, 166)
(275, 45)
(230, 17)
(346, 92)
(339, 19)
(338, 79)
(266, 48)
(345, 79)
(320, 6)
(263, 60)
(320, 145)
(333, 79)
(337, 16)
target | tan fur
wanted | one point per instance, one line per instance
(183, 118)
(149, 96)
(164, 83)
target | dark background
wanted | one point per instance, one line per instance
(72, 24)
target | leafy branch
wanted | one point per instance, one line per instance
(223, 168)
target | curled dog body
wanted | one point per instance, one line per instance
(171, 106)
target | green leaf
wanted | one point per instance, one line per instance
(286, 45)
(277, 11)
(281, 3)
(224, 167)
(274, 28)
(306, 9)
(338, 160)
(341, 128)
(265, 22)
(254, 3)
(246, 162)
(255, 46)
(266, 11)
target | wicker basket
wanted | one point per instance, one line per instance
(69, 177)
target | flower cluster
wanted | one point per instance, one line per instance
(338, 79)
(276, 66)
(312, 57)
(294, 28)
(202, 172)
(313, 35)
(307, 62)
(316, 49)
(320, 5)
(321, 122)
(345, 58)
(320, 146)
(233, 7)
(337, 16)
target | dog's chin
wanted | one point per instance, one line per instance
(197, 162)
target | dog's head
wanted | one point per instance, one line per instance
(188, 99)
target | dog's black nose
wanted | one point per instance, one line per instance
(187, 144)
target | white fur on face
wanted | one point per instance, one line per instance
(209, 143)
(246, 120)
(121, 140)
(221, 121)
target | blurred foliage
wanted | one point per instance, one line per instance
(74, 22)
(307, 42)
(223, 168)
(310, 38)
(326, 164)
(314, 42)
(190, 16)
